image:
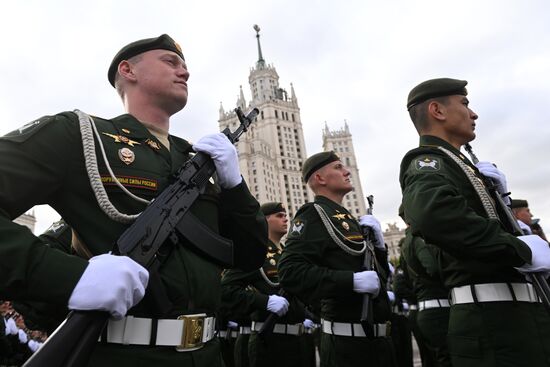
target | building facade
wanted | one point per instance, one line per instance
(392, 235)
(272, 152)
(340, 141)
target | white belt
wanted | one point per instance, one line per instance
(187, 333)
(289, 329)
(245, 330)
(352, 329)
(494, 292)
(433, 303)
(232, 333)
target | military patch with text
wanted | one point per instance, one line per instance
(427, 164)
(129, 181)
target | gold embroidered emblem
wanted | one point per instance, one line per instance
(339, 216)
(126, 155)
(153, 144)
(345, 225)
(122, 139)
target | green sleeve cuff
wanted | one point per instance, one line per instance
(522, 250)
(260, 301)
(344, 280)
(236, 194)
(56, 275)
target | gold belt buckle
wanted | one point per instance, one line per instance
(191, 336)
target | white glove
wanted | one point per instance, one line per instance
(308, 324)
(232, 325)
(110, 283)
(524, 227)
(11, 328)
(392, 269)
(391, 296)
(366, 282)
(371, 222)
(23, 338)
(540, 259)
(405, 306)
(224, 155)
(277, 304)
(33, 345)
(489, 170)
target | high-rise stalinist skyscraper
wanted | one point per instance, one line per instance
(340, 141)
(272, 152)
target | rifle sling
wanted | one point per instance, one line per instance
(218, 248)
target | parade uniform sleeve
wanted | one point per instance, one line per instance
(32, 172)
(439, 212)
(426, 257)
(245, 224)
(237, 297)
(299, 269)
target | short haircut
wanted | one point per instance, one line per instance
(118, 79)
(419, 113)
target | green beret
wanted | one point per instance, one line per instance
(272, 208)
(317, 161)
(434, 88)
(164, 42)
(518, 203)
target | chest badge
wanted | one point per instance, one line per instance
(272, 262)
(152, 144)
(126, 155)
(345, 225)
(122, 139)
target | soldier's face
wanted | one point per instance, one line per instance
(336, 177)
(524, 214)
(278, 223)
(162, 77)
(460, 120)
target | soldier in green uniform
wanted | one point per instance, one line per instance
(495, 317)
(98, 174)
(432, 319)
(323, 262)
(255, 293)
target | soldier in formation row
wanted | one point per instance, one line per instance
(469, 276)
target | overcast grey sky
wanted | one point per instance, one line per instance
(352, 60)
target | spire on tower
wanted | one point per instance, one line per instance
(222, 111)
(260, 64)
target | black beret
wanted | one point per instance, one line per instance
(164, 42)
(317, 161)
(272, 208)
(518, 203)
(434, 88)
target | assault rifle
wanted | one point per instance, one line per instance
(539, 282)
(267, 327)
(367, 317)
(167, 218)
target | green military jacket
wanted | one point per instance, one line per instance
(315, 268)
(403, 286)
(421, 262)
(43, 163)
(248, 292)
(442, 206)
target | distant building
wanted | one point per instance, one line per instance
(340, 141)
(27, 219)
(392, 235)
(272, 152)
